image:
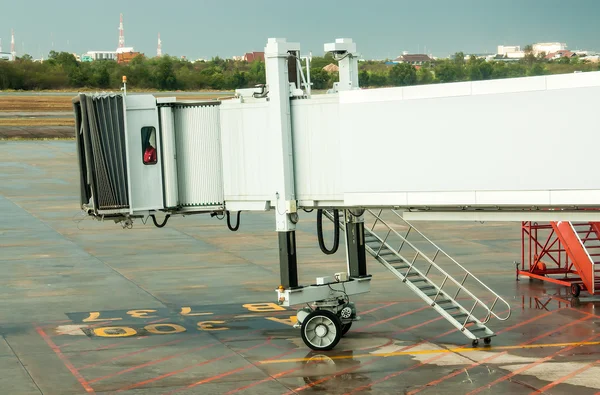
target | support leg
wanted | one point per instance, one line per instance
(355, 242)
(288, 262)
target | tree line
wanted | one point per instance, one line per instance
(62, 71)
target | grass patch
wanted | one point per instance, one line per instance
(37, 122)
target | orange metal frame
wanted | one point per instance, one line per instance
(543, 255)
(559, 253)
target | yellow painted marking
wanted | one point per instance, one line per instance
(438, 351)
(94, 315)
(263, 307)
(115, 331)
(207, 326)
(187, 311)
(155, 329)
(141, 313)
(286, 321)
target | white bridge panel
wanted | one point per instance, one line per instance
(538, 135)
(248, 154)
(317, 149)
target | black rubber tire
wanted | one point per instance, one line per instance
(475, 342)
(331, 317)
(575, 290)
(346, 328)
(487, 341)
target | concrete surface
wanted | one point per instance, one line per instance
(88, 307)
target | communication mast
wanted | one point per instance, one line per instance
(159, 47)
(13, 52)
(121, 33)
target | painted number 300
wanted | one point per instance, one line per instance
(169, 328)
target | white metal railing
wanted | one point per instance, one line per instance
(447, 278)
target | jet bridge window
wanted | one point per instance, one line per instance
(149, 145)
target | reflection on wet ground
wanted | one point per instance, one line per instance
(90, 307)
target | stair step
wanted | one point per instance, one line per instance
(444, 301)
(426, 288)
(448, 308)
(400, 267)
(481, 328)
(419, 280)
(395, 260)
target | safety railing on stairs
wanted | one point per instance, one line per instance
(374, 221)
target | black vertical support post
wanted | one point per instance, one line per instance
(288, 262)
(355, 240)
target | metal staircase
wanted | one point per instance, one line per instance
(427, 278)
(581, 242)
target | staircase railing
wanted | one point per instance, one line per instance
(447, 279)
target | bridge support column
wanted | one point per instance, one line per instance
(355, 245)
(288, 260)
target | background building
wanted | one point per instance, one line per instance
(548, 48)
(414, 59)
(511, 51)
(100, 55)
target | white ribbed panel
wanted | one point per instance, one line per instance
(198, 144)
(169, 152)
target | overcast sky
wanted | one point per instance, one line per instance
(381, 28)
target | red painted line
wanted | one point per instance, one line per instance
(389, 376)
(65, 361)
(391, 318)
(75, 342)
(369, 363)
(150, 363)
(378, 308)
(229, 373)
(531, 365)
(457, 372)
(273, 377)
(123, 340)
(416, 326)
(152, 380)
(566, 377)
(133, 353)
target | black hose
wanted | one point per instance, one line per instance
(336, 232)
(160, 225)
(237, 225)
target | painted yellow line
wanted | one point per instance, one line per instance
(438, 351)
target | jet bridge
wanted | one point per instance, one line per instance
(369, 160)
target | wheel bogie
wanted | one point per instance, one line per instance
(321, 330)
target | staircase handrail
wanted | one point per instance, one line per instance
(431, 262)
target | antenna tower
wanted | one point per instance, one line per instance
(121, 33)
(13, 52)
(159, 47)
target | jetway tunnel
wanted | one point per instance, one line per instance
(432, 152)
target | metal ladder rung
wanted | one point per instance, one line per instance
(395, 260)
(427, 288)
(479, 329)
(444, 301)
(452, 308)
(419, 280)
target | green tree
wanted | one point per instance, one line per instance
(164, 74)
(319, 78)
(447, 71)
(403, 74)
(424, 76)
